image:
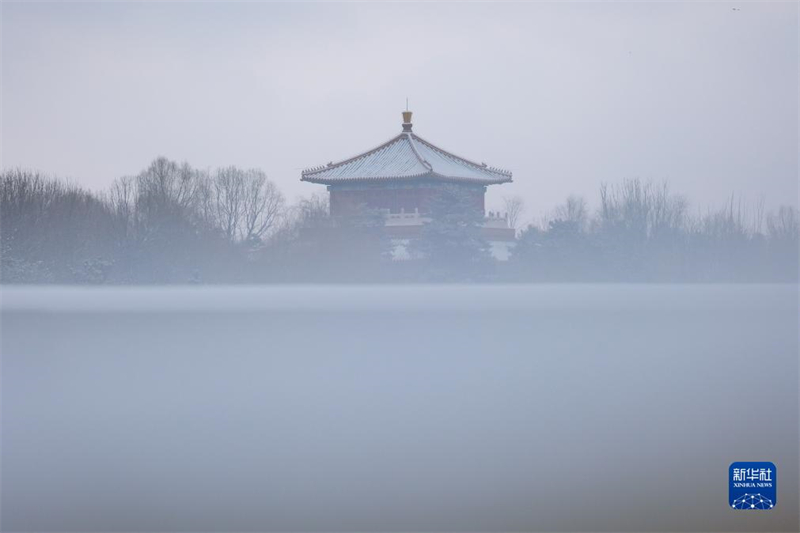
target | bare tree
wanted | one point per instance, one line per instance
(784, 225)
(227, 189)
(574, 210)
(666, 212)
(169, 184)
(263, 205)
(245, 205)
(514, 206)
(758, 216)
(640, 210)
(313, 211)
(121, 202)
(727, 224)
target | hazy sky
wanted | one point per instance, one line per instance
(564, 95)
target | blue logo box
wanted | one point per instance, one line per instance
(752, 486)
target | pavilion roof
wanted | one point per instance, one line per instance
(406, 156)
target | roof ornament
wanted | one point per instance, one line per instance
(407, 119)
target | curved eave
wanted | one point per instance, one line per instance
(417, 177)
(477, 166)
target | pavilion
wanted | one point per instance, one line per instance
(401, 176)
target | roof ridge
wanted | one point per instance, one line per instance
(481, 166)
(312, 170)
(416, 152)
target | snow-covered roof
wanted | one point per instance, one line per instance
(406, 156)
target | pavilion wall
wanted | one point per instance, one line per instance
(347, 199)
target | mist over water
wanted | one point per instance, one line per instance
(423, 408)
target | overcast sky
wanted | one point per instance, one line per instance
(564, 95)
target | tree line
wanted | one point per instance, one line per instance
(644, 232)
(173, 223)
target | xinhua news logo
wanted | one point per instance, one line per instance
(752, 486)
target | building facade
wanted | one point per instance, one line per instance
(401, 178)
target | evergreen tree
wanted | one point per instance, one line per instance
(450, 246)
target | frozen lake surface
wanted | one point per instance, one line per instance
(415, 408)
